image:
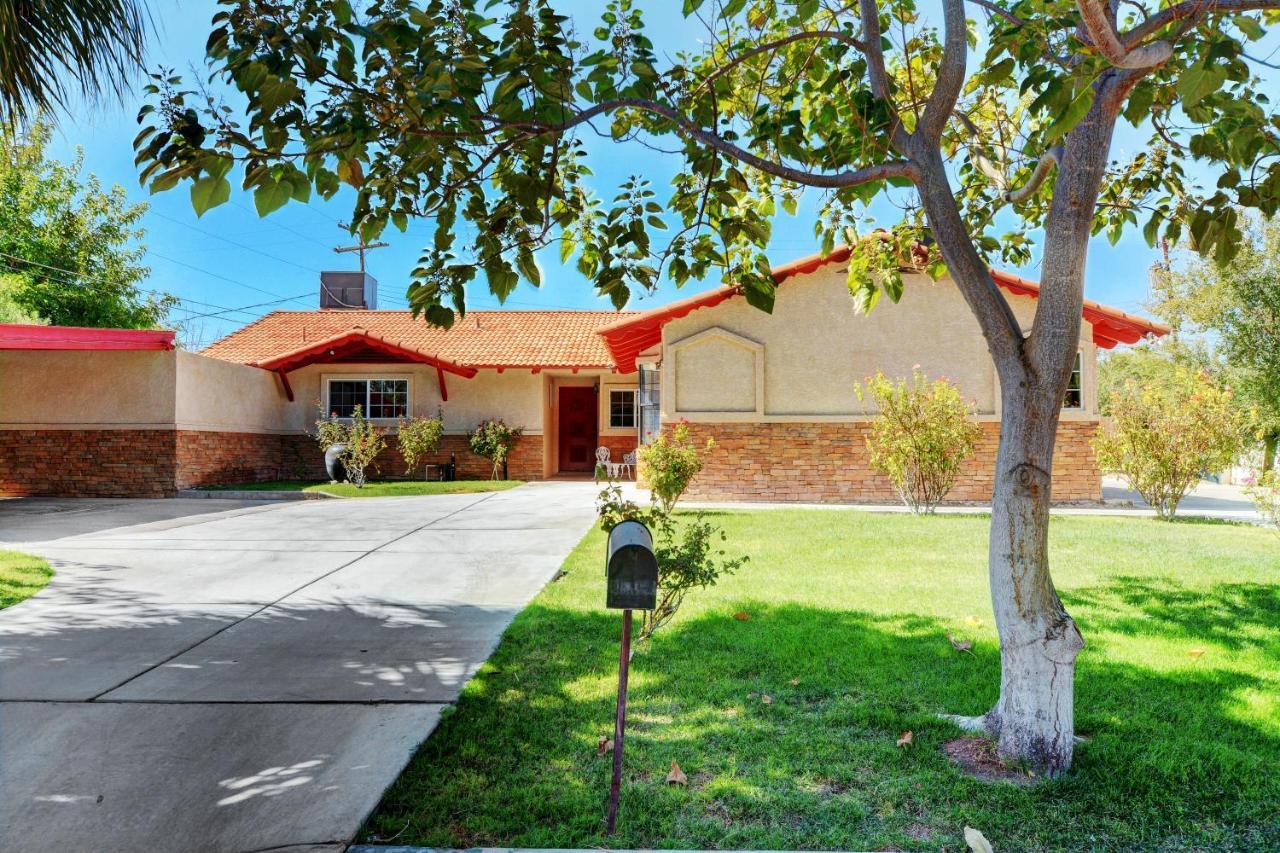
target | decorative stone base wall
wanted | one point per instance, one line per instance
(830, 462)
(301, 459)
(88, 463)
(224, 458)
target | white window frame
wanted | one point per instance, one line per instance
(326, 378)
(1078, 368)
(635, 408)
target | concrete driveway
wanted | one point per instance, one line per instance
(251, 676)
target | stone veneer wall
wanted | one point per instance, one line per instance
(830, 462)
(205, 458)
(301, 459)
(97, 463)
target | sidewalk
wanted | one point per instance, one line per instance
(1206, 500)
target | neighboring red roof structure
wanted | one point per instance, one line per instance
(30, 336)
(630, 336)
(481, 339)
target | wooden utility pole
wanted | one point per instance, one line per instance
(361, 247)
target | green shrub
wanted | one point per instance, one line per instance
(360, 440)
(671, 461)
(920, 437)
(418, 438)
(494, 440)
(1265, 493)
(1162, 438)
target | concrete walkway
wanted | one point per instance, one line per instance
(251, 676)
(1206, 500)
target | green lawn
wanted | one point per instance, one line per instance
(389, 488)
(21, 576)
(849, 613)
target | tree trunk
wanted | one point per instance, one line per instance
(1033, 719)
(1269, 451)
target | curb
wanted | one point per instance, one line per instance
(251, 495)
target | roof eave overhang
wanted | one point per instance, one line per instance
(334, 348)
(22, 336)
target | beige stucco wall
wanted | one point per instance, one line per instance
(218, 395)
(804, 361)
(514, 395)
(73, 389)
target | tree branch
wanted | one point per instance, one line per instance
(870, 11)
(1002, 12)
(951, 72)
(834, 35)
(1194, 11)
(1098, 23)
(1044, 165)
(837, 180)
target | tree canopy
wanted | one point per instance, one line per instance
(69, 248)
(1236, 308)
(471, 115)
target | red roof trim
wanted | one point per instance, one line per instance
(334, 347)
(628, 337)
(31, 337)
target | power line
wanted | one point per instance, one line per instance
(239, 245)
(244, 309)
(219, 276)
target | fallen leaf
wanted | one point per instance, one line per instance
(766, 699)
(795, 682)
(906, 738)
(1195, 653)
(977, 842)
(960, 645)
(605, 745)
(974, 621)
(676, 776)
(742, 616)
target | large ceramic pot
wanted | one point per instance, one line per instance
(333, 463)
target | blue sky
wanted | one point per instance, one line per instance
(231, 258)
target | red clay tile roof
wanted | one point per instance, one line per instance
(481, 339)
(629, 336)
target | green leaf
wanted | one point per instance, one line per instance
(271, 196)
(1070, 117)
(1198, 82)
(209, 192)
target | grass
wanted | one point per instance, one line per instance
(389, 488)
(849, 613)
(21, 576)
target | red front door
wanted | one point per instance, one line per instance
(577, 428)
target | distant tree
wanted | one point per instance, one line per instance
(1237, 305)
(51, 50)
(1155, 363)
(10, 310)
(71, 246)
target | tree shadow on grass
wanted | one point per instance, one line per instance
(1172, 759)
(1235, 615)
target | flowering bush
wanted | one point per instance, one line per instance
(494, 440)
(418, 438)
(360, 441)
(1162, 438)
(1265, 493)
(920, 437)
(671, 461)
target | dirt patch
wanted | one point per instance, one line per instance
(976, 756)
(918, 831)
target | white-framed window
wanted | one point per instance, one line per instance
(378, 398)
(622, 408)
(1074, 398)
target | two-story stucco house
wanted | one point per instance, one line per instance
(776, 391)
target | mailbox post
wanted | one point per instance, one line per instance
(631, 580)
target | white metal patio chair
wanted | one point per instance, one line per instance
(604, 459)
(627, 468)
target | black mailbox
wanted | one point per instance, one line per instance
(631, 569)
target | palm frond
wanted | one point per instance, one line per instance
(51, 50)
